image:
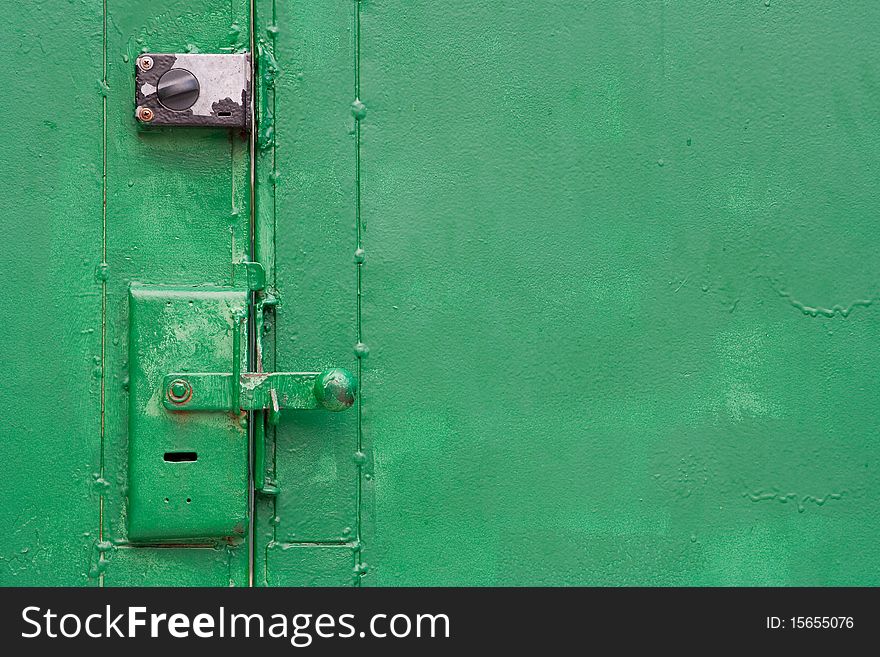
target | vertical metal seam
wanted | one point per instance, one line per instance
(252, 337)
(274, 180)
(359, 265)
(103, 265)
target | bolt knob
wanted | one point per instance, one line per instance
(178, 89)
(336, 389)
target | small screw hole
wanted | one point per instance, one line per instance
(166, 500)
(188, 500)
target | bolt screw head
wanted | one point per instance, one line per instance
(179, 391)
(144, 114)
(145, 63)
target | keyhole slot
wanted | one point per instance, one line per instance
(181, 457)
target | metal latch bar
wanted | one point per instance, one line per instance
(333, 390)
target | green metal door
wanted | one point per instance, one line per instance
(609, 271)
(604, 271)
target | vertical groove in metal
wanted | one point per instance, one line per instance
(251, 333)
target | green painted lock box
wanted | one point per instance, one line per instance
(187, 476)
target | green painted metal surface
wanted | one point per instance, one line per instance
(306, 191)
(50, 210)
(605, 273)
(620, 292)
(178, 207)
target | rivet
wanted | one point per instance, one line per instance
(358, 109)
(144, 114)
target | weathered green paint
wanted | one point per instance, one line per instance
(612, 265)
(93, 204)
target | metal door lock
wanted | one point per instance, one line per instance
(189, 384)
(193, 89)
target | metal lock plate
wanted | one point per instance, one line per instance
(193, 89)
(187, 472)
